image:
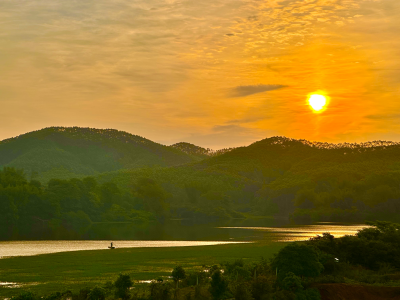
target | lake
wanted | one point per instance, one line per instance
(174, 235)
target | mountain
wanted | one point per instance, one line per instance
(199, 153)
(66, 152)
(194, 151)
(277, 176)
(285, 178)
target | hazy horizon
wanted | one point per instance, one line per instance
(213, 73)
(203, 146)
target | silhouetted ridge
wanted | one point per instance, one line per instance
(288, 142)
(192, 149)
(199, 151)
(75, 151)
(277, 176)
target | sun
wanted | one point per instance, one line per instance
(317, 102)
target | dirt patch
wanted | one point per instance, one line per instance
(340, 291)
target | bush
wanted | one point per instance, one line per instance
(291, 283)
(219, 285)
(261, 287)
(160, 291)
(243, 292)
(300, 259)
(97, 294)
(178, 274)
(25, 296)
(122, 285)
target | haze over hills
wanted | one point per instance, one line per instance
(134, 179)
(67, 152)
(199, 152)
(285, 177)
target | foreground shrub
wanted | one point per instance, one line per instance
(300, 259)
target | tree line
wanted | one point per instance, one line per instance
(65, 208)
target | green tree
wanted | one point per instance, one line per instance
(122, 285)
(242, 292)
(160, 291)
(153, 196)
(300, 259)
(292, 283)
(97, 293)
(8, 212)
(178, 273)
(218, 285)
(261, 287)
(25, 296)
(10, 177)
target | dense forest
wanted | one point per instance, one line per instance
(111, 176)
(65, 208)
(285, 178)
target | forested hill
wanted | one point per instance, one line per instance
(197, 152)
(281, 154)
(278, 176)
(65, 152)
(284, 177)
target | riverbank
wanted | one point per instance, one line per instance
(44, 274)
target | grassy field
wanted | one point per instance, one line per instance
(44, 274)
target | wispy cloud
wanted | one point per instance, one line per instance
(169, 69)
(247, 90)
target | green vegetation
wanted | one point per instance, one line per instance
(199, 153)
(66, 152)
(50, 195)
(46, 274)
(138, 181)
(294, 179)
(64, 208)
(295, 272)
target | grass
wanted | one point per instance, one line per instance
(45, 274)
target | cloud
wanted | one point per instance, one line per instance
(168, 69)
(250, 119)
(229, 128)
(383, 116)
(247, 90)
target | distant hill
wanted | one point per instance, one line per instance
(278, 176)
(285, 177)
(199, 152)
(65, 152)
(193, 150)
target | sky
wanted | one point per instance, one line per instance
(216, 73)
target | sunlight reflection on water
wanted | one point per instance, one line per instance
(270, 234)
(305, 232)
(14, 285)
(28, 248)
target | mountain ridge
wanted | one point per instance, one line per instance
(85, 151)
(276, 176)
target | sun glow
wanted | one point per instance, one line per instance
(317, 102)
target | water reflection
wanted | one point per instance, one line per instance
(176, 235)
(28, 248)
(304, 232)
(14, 285)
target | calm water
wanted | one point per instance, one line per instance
(174, 235)
(300, 233)
(27, 248)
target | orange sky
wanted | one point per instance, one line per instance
(217, 73)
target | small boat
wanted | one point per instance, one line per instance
(111, 246)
